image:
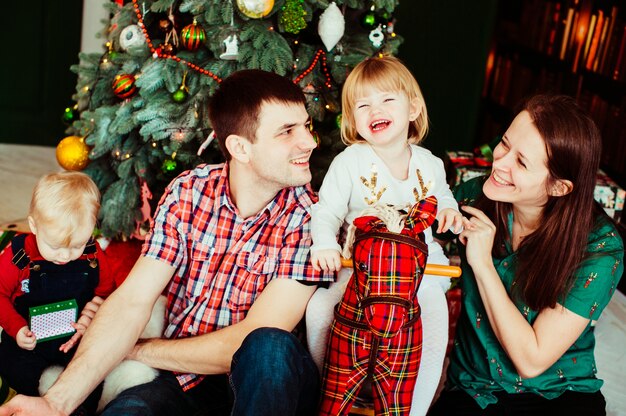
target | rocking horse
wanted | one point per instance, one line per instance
(376, 334)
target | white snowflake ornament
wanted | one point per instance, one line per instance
(331, 26)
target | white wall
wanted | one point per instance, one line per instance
(93, 14)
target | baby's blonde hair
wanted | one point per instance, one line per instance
(386, 73)
(65, 200)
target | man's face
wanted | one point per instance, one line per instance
(280, 154)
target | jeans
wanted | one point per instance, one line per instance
(271, 374)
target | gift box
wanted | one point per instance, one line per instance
(609, 195)
(462, 166)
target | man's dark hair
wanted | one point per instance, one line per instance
(236, 105)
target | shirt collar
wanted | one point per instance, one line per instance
(271, 210)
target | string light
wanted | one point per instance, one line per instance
(178, 136)
(158, 53)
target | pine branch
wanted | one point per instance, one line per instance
(194, 7)
(264, 49)
(161, 6)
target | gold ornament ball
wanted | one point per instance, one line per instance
(255, 9)
(72, 153)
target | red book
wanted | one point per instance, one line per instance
(607, 40)
(593, 47)
(566, 33)
(554, 25)
(620, 56)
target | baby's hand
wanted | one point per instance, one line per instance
(86, 315)
(327, 260)
(449, 219)
(26, 339)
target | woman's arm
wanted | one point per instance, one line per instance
(531, 348)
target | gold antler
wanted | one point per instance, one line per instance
(371, 185)
(419, 195)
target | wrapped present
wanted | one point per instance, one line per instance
(462, 166)
(609, 195)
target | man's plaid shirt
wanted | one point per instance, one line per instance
(223, 261)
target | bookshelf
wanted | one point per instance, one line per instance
(574, 47)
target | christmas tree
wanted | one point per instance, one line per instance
(140, 113)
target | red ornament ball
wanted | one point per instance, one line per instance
(192, 36)
(124, 85)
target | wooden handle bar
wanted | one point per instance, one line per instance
(435, 269)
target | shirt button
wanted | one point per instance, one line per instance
(505, 264)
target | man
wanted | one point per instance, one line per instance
(230, 243)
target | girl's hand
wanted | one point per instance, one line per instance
(86, 316)
(478, 236)
(449, 219)
(327, 260)
(26, 339)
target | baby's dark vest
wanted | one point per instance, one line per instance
(49, 282)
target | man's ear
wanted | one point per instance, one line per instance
(31, 225)
(238, 147)
(561, 187)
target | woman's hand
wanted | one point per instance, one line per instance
(478, 235)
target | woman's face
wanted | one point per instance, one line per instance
(519, 172)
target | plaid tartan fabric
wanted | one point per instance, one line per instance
(223, 262)
(383, 339)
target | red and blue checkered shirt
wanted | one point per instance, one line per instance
(223, 262)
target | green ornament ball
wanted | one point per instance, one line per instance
(113, 55)
(180, 95)
(168, 166)
(368, 20)
(338, 120)
(69, 115)
(383, 18)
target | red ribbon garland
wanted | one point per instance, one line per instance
(319, 54)
(159, 53)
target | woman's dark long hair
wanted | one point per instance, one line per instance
(548, 257)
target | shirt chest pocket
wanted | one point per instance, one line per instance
(253, 272)
(199, 269)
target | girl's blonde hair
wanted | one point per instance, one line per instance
(66, 201)
(385, 74)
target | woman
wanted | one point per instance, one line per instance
(541, 261)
